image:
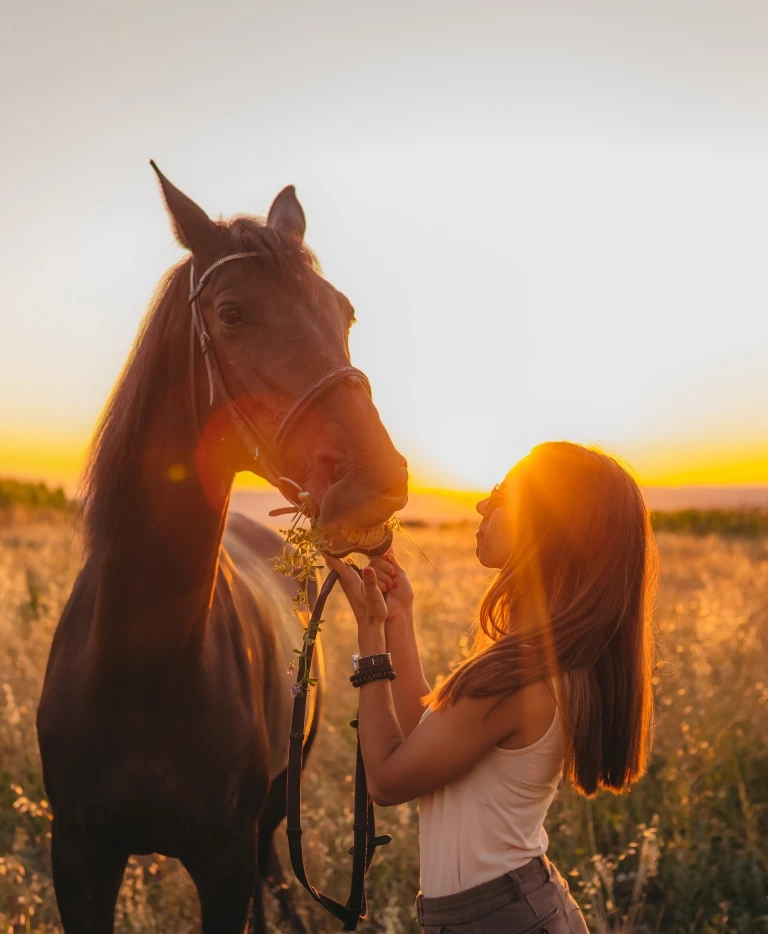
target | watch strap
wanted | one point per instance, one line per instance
(367, 662)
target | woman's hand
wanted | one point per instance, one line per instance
(394, 582)
(364, 595)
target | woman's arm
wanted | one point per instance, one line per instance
(439, 749)
(410, 685)
(442, 748)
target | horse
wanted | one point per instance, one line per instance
(164, 716)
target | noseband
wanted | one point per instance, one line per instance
(265, 453)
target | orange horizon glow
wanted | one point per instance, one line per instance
(58, 460)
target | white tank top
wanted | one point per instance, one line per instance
(491, 820)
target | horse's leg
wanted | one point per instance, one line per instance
(87, 879)
(270, 869)
(224, 873)
(290, 912)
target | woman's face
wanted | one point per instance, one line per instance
(496, 533)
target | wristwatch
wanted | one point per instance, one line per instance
(369, 662)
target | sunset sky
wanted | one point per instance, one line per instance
(552, 218)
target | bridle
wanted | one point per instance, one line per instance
(265, 453)
(364, 839)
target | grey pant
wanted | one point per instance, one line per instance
(531, 900)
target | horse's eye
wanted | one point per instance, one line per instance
(230, 316)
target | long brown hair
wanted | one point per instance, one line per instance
(584, 568)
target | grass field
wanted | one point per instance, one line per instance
(686, 851)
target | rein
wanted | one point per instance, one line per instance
(364, 838)
(264, 453)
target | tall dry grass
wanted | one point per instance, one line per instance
(686, 851)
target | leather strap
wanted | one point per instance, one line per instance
(318, 388)
(263, 451)
(365, 840)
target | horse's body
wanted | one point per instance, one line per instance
(173, 754)
(165, 711)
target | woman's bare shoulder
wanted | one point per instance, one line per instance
(529, 714)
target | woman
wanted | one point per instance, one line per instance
(558, 682)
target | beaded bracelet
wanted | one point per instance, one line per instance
(373, 674)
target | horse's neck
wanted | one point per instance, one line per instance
(156, 583)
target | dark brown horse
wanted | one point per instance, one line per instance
(165, 711)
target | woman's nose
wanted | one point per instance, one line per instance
(481, 506)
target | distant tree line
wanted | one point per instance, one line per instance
(744, 523)
(31, 495)
(737, 523)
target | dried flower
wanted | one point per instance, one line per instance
(298, 560)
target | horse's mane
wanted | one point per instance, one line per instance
(158, 361)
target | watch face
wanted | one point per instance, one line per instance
(355, 659)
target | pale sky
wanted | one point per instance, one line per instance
(551, 217)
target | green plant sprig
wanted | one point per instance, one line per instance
(298, 560)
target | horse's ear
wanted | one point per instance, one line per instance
(192, 226)
(286, 214)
